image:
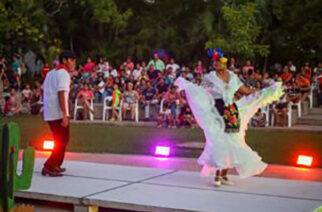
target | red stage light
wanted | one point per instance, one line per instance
(48, 145)
(304, 160)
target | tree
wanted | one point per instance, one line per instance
(242, 31)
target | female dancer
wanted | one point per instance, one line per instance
(224, 121)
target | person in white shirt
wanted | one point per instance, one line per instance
(174, 67)
(56, 93)
(137, 71)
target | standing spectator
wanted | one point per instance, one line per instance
(56, 113)
(89, 66)
(113, 72)
(149, 98)
(131, 97)
(45, 70)
(317, 71)
(157, 63)
(174, 68)
(15, 67)
(172, 100)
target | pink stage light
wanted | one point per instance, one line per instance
(304, 160)
(162, 151)
(48, 145)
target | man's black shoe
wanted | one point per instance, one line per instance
(48, 172)
(60, 169)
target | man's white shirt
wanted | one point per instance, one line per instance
(56, 80)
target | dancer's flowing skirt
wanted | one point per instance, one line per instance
(228, 150)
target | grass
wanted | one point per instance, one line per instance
(275, 146)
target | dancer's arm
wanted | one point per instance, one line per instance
(245, 90)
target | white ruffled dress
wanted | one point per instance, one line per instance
(227, 150)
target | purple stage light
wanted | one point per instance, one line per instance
(162, 151)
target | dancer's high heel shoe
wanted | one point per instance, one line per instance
(217, 182)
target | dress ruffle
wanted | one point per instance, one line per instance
(228, 150)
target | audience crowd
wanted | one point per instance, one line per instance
(148, 86)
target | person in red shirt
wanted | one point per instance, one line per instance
(89, 66)
(307, 70)
(287, 76)
(45, 70)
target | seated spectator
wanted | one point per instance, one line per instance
(189, 75)
(291, 67)
(319, 89)
(280, 111)
(162, 88)
(85, 96)
(199, 67)
(116, 98)
(293, 92)
(1, 80)
(129, 64)
(173, 68)
(232, 66)
(148, 98)
(12, 106)
(186, 118)
(137, 71)
(259, 119)
(307, 70)
(130, 99)
(287, 75)
(26, 94)
(304, 84)
(100, 92)
(164, 118)
(36, 105)
(172, 100)
(248, 66)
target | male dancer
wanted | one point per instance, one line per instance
(56, 94)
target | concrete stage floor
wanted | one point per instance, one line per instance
(145, 183)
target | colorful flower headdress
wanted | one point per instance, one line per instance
(217, 55)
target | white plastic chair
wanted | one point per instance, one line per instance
(161, 105)
(311, 98)
(80, 107)
(107, 106)
(136, 111)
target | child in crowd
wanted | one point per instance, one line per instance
(116, 98)
(164, 118)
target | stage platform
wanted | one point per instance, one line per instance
(146, 188)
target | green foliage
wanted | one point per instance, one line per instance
(115, 29)
(9, 180)
(243, 31)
